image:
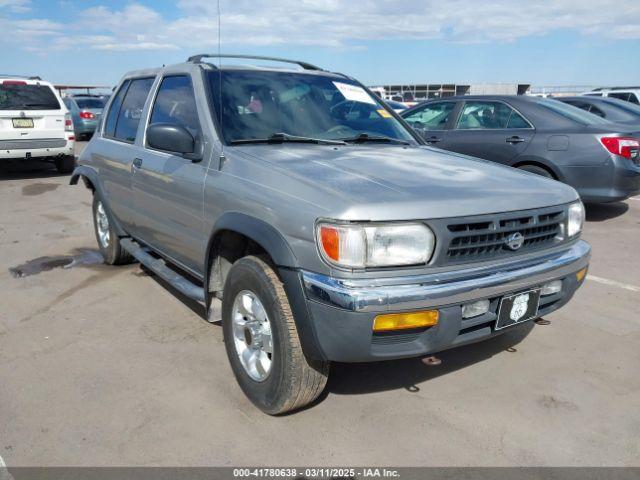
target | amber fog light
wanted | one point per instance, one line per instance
(404, 321)
(581, 273)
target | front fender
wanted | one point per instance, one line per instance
(91, 181)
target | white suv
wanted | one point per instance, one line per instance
(34, 123)
(627, 94)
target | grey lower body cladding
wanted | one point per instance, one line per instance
(342, 312)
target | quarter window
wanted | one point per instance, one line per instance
(433, 116)
(112, 117)
(131, 109)
(490, 115)
(176, 104)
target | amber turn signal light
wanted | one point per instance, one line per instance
(404, 321)
(581, 273)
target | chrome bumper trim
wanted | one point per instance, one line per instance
(445, 288)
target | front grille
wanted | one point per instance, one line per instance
(32, 144)
(486, 239)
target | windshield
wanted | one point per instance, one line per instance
(89, 102)
(572, 113)
(257, 105)
(20, 96)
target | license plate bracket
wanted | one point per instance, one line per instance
(22, 122)
(518, 308)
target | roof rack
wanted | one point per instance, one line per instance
(624, 88)
(26, 77)
(305, 65)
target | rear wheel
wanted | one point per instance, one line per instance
(537, 170)
(108, 240)
(65, 164)
(262, 341)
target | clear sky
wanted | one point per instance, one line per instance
(546, 42)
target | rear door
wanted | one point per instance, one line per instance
(431, 121)
(168, 188)
(492, 130)
(115, 150)
(30, 111)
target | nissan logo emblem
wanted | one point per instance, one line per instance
(514, 241)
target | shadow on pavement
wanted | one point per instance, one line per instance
(600, 212)
(28, 169)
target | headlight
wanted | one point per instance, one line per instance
(370, 245)
(575, 218)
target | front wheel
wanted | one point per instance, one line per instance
(262, 341)
(108, 240)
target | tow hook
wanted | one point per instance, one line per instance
(431, 361)
(542, 321)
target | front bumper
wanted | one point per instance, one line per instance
(342, 311)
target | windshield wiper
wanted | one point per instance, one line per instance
(365, 137)
(285, 137)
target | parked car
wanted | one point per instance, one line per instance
(396, 106)
(34, 123)
(327, 235)
(539, 135)
(626, 94)
(86, 111)
(614, 110)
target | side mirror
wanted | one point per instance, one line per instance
(170, 138)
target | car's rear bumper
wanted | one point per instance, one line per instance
(617, 180)
(342, 312)
(35, 148)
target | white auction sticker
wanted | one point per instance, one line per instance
(354, 93)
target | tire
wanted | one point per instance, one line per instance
(292, 380)
(65, 164)
(537, 170)
(108, 241)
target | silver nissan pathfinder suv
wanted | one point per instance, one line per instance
(325, 226)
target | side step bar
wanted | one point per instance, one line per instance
(159, 267)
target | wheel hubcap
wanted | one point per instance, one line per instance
(102, 223)
(252, 335)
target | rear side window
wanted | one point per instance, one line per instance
(176, 104)
(433, 116)
(620, 96)
(112, 117)
(490, 115)
(21, 96)
(131, 109)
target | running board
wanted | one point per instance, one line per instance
(159, 267)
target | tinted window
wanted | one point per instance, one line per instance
(258, 104)
(20, 96)
(433, 116)
(131, 109)
(620, 96)
(633, 98)
(176, 104)
(89, 102)
(490, 115)
(572, 113)
(112, 117)
(596, 111)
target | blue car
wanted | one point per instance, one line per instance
(86, 111)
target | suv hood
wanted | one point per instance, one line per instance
(390, 182)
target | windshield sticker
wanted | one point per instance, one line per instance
(383, 113)
(354, 93)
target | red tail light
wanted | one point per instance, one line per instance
(87, 115)
(13, 82)
(626, 147)
(68, 123)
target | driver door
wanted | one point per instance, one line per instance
(432, 120)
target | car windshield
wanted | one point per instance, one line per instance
(89, 102)
(572, 113)
(289, 106)
(21, 96)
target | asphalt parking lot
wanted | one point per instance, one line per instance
(103, 366)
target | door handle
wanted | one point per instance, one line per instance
(433, 140)
(515, 139)
(137, 162)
